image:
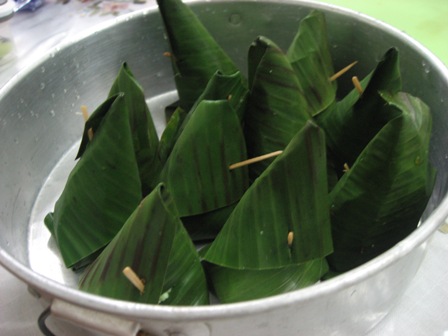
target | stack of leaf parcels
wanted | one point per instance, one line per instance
(352, 179)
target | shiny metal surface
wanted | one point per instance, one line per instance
(39, 124)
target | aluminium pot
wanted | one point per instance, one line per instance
(40, 129)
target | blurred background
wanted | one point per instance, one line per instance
(30, 28)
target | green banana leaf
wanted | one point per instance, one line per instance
(335, 165)
(206, 226)
(146, 141)
(102, 190)
(170, 134)
(309, 55)
(276, 108)
(290, 196)
(232, 87)
(195, 54)
(185, 283)
(220, 87)
(155, 245)
(379, 201)
(234, 285)
(197, 171)
(351, 123)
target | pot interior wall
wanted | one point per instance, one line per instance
(40, 122)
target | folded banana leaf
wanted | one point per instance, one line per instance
(235, 285)
(146, 141)
(309, 55)
(351, 123)
(156, 247)
(170, 134)
(102, 190)
(379, 201)
(276, 108)
(220, 87)
(197, 171)
(290, 196)
(232, 87)
(206, 226)
(195, 55)
(185, 282)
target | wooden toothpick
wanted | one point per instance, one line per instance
(357, 85)
(134, 279)
(342, 71)
(290, 238)
(255, 159)
(85, 115)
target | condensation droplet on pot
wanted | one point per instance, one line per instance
(53, 95)
(78, 97)
(42, 86)
(426, 67)
(22, 100)
(42, 69)
(65, 90)
(52, 113)
(36, 139)
(235, 19)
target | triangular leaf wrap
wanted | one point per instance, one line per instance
(197, 171)
(220, 87)
(290, 196)
(146, 141)
(155, 245)
(310, 58)
(351, 123)
(144, 243)
(195, 54)
(185, 283)
(379, 201)
(276, 108)
(102, 190)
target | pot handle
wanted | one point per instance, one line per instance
(88, 319)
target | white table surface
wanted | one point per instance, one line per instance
(422, 311)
